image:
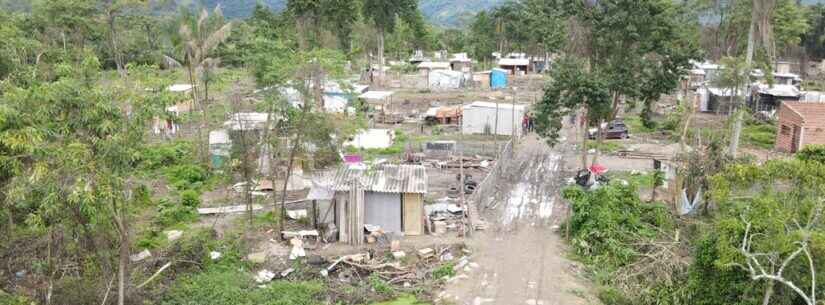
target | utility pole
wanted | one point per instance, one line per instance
(515, 125)
(495, 134)
(461, 164)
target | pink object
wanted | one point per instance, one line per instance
(598, 169)
(353, 159)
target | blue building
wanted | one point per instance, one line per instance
(498, 78)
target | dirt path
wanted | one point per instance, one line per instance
(521, 259)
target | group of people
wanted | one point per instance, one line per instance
(527, 123)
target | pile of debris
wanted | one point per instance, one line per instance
(444, 215)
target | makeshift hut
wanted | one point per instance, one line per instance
(445, 79)
(443, 115)
(493, 118)
(767, 98)
(461, 62)
(427, 67)
(372, 139)
(515, 66)
(385, 197)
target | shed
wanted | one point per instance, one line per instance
(481, 118)
(461, 62)
(445, 79)
(425, 68)
(388, 196)
(768, 98)
(515, 66)
(800, 124)
(498, 78)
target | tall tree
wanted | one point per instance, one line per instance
(112, 9)
(384, 15)
(572, 88)
(198, 38)
(629, 37)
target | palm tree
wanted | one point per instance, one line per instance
(198, 38)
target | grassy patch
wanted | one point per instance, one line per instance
(641, 180)
(445, 270)
(403, 300)
(761, 135)
(634, 124)
(606, 146)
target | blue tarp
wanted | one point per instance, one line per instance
(498, 78)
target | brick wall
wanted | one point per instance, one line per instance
(813, 125)
(787, 119)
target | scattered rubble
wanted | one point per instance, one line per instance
(264, 276)
(140, 256)
(173, 234)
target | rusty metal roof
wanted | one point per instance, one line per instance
(384, 178)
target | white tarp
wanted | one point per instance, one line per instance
(480, 118)
(180, 88)
(372, 138)
(445, 79)
(248, 121)
(376, 95)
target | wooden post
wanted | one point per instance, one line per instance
(315, 214)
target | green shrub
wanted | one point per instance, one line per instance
(379, 285)
(190, 198)
(8, 299)
(167, 154)
(445, 270)
(815, 153)
(612, 296)
(608, 220)
(187, 176)
(170, 213)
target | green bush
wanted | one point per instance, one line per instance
(379, 285)
(815, 153)
(8, 299)
(445, 270)
(190, 198)
(612, 296)
(187, 176)
(170, 213)
(167, 154)
(608, 220)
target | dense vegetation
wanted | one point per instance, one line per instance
(85, 181)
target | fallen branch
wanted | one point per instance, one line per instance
(155, 275)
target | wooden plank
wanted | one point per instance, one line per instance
(413, 214)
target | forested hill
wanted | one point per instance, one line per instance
(439, 12)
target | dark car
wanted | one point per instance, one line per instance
(616, 129)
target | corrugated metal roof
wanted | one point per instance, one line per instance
(385, 178)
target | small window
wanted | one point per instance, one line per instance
(786, 130)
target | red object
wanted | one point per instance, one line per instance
(598, 169)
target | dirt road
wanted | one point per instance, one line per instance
(521, 260)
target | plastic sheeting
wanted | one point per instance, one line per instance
(445, 79)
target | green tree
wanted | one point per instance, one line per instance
(198, 38)
(571, 88)
(384, 15)
(628, 40)
(770, 227)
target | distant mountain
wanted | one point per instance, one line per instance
(439, 12)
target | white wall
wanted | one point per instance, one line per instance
(476, 118)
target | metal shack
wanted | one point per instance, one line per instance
(493, 118)
(389, 196)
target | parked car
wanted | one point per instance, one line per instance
(616, 129)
